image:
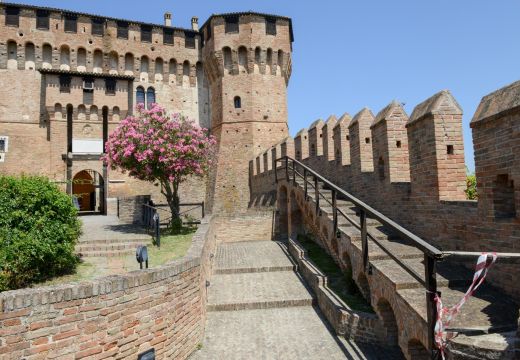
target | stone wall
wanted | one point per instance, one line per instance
(251, 226)
(417, 172)
(113, 317)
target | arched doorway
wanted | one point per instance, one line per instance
(88, 188)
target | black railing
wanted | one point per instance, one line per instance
(292, 169)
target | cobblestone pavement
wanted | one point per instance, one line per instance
(258, 311)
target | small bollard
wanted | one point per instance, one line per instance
(157, 228)
(141, 255)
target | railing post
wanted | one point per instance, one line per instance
(286, 169)
(157, 228)
(294, 173)
(316, 194)
(364, 238)
(305, 182)
(431, 308)
(334, 212)
(203, 212)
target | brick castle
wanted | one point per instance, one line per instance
(67, 78)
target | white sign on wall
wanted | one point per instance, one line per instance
(87, 146)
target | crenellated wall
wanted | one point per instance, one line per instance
(412, 169)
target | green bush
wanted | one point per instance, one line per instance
(38, 230)
(471, 187)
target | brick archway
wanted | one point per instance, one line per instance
(386, 313)
(88, 188)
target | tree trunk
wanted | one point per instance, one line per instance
(172, 197)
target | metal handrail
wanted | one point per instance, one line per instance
(431, 253)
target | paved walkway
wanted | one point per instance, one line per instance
(259, 308)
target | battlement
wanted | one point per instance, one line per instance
(412, 169)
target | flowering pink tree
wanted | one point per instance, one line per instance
(153, 147)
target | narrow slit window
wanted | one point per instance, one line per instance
(450, 150)
(238, 102)
(42, 19)
(398, 143)
(367, 140)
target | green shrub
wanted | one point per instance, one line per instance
(471, 187)
(38, 230)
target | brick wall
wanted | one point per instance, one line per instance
(114, 317)
(130, 209)
(420, 183)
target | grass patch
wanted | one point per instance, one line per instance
(172, 247)
(340, 282)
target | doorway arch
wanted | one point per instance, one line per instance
(88, 187)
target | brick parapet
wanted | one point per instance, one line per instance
(115, 316)
(432, 202)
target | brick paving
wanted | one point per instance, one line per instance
(257, 311)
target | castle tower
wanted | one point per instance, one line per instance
(247, 59)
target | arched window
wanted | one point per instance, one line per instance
(186, 73)
(280, 60)
(29, 56)
(150, 97)
(113, 61)
(64, 58)
(269, 61)
(242, 59)
(238, 102)
(129, 64)
(145, 65)
(257, 59)
(12, 55)
(46, 56)
(82, 59)
(98, 61)
(228, 61)
(139, 95)
(94, 113)
(159, 69)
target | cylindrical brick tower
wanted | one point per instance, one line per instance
(247, 59)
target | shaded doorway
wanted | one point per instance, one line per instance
(88, 188)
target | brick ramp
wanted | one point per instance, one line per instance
(105, 236)
(259, 308)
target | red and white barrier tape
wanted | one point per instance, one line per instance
(445, 314)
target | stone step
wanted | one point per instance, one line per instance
(82, 248)
(486, 311)
(447, 274)
(397, 247)
(115, 240)
(259, 290)
(251, 256)
(107, 253)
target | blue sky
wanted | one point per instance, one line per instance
(351, 54)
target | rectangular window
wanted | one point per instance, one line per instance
(42, 19)
(12, 16)
(3, 144)
(146, 33)
(189, 40)
(98, 27)
(270, 26)
(122, 30)
(65, 83)
(110, 86)
(168, 36)
(88, 84)
(71, 23)
(231, 24)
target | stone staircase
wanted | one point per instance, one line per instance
(105, 236)
(489, 315)
(259, 308)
